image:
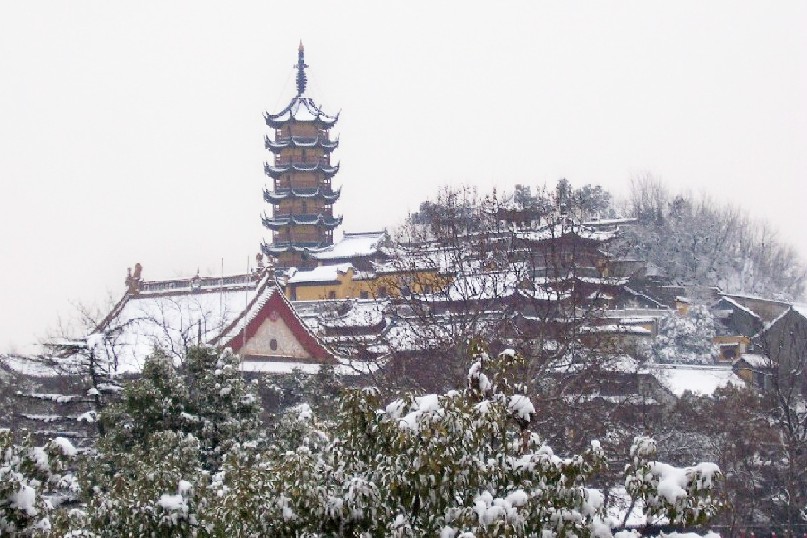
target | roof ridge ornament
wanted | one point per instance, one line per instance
(301, 65)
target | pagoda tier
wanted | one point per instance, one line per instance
(278, 169)
(278, 222)
(320, 142)
(326, 194)
(301, 109)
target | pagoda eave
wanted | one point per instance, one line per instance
(275, 171)
(276, 146)
(274, 197)
(279, 248)
(280, 122)
(277, 223)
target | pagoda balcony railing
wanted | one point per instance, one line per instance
(327, 213)
(306, 191)
(286, 162)
(282, 134)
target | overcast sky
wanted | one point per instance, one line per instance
(133, 131)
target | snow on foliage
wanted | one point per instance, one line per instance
(686, 338)
(28, 476)
(671, 494)
(460, 464)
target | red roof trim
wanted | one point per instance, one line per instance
(277, 303)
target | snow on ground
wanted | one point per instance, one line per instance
(696, 378)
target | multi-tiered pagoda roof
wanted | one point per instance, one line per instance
(301, 195)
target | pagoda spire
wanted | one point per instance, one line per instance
(301, 65)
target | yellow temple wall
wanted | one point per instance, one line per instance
(347, 287)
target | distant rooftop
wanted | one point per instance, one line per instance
(353, 245)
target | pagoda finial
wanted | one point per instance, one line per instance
(301, 65)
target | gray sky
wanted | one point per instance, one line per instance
(132, 131)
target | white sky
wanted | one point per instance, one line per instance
(132, 131)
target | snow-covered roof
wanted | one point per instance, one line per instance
(353, 245)
(362, 313)
(172, 319)
(755, 360)
(617, 328)
(344, 367)
(739, 306)
(611, 222)
(800, 309)
(30, 365)
(323, 273)
(556, 231)
(696, 378)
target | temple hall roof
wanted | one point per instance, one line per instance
(353, 245)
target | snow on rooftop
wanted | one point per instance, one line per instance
(611, 222)
(696, 378)
(801, 309)
(353, 245)
(556, 231)
(755, 361)
(345, 367)
(171, 322)
(739, 306)
(362, 313)
(32, 365)
(323, 273)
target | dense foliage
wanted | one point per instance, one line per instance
(460, 464)
(686, 339)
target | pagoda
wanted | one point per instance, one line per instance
(302, 197)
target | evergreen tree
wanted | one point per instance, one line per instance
(205, 396)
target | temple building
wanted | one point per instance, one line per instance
(302, 195)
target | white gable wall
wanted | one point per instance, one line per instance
(287, 343)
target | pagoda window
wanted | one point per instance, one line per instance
(364, 295)
(331, 294)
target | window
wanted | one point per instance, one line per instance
(331, 294)
(364, 295)
(382, 291)
(273, 344)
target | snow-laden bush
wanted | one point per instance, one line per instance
(678, 496)
(460, 464)
(154, 489)
(32, 480)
